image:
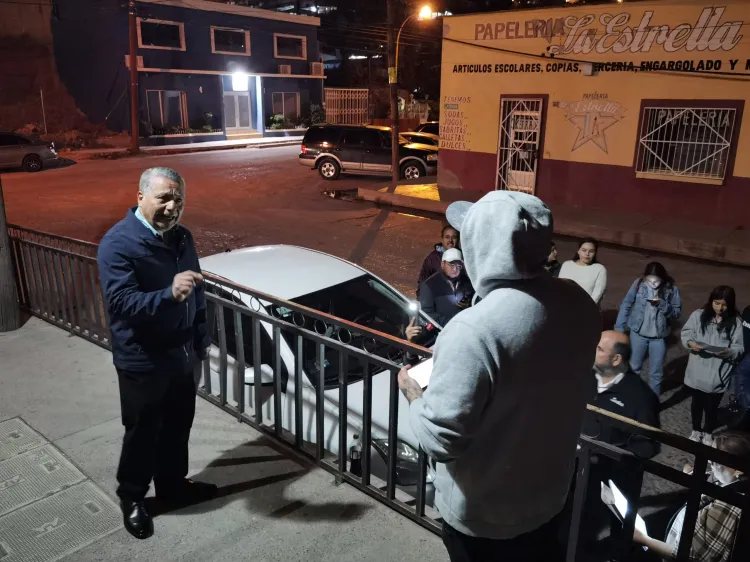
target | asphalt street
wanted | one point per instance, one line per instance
(247, 197)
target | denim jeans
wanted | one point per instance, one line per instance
(657, 350)
(742, 382)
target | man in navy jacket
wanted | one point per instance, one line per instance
(151, 280)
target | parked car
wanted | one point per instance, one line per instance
(363, 149)
(334, 286)
(422, 138)
(18, 151)
(431, 127)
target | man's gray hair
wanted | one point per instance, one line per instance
(148, 177)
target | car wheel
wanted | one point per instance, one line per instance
(329, 169)
(412, 171)
(32, 163)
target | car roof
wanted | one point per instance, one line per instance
(420, 134)
(283, 271)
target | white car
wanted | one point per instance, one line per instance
(337, 287)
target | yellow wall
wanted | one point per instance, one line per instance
(470, 101)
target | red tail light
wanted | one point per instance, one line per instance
(304, 149)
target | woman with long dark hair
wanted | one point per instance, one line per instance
(713, 335)
(585, 270)
(648, 309)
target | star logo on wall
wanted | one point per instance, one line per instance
(592, 118)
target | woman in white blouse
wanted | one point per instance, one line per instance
(586, 271)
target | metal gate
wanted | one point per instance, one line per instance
(346, 106)
(518, 146)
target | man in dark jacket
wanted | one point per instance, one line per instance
(151, 281)
(447, 292)
(431, 264)
(618, 390)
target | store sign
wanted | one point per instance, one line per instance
(592, 117)
(620, 33)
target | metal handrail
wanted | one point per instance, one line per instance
(58, 282)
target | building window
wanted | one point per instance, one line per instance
(167, 111)
(226, 41)
(687, 143)
(161, 34)
(286, 104)
(289, 46)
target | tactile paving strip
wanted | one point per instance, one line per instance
(34, 475)
(57, 526)
(16, 437)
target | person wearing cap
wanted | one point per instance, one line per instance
(431, 264)
(447, 292)
(505, 402)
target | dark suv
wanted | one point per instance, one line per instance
(363, 149)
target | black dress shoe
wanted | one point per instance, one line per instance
(137, 520)
(185, 492)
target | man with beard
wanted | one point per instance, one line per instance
(620, 391)
(151, 281)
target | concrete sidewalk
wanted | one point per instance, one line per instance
(625, 229)
(99, 153)
(272, 506)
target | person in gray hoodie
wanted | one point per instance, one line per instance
(507, 394)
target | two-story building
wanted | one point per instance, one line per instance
(206, 70)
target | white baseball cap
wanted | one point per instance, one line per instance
(452, 255)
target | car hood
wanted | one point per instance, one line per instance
(420, 146)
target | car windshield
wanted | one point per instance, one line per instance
(363, 300)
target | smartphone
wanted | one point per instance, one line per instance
(414, 308)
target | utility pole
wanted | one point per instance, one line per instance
(393, 82)
(134, 121)
(10, 312)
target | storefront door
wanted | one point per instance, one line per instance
(519, 142)
(237, 110)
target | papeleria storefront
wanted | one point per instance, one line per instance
(637, 107)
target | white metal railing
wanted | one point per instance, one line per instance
(347, 106)
(686, 142)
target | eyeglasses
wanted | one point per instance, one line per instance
(455, 264)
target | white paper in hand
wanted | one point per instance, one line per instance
(621, 503)
(421, 373)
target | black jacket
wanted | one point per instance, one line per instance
(632, 398)
(150, 330)
(438, 298)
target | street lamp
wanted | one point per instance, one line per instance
(424, 13)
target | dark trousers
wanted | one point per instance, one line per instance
(157, 412)
(540, 545)
(708, 404)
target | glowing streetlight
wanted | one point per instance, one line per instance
(425, 13)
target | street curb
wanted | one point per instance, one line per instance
(637, 239)
(189, 149)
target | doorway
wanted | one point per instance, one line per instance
(519, 143)
(237, 110)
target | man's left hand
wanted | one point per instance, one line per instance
(408, 385)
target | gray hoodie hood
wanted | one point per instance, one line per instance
(505, 236)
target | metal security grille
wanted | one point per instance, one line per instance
(518, 149)
(347, 106)
(686, 142)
